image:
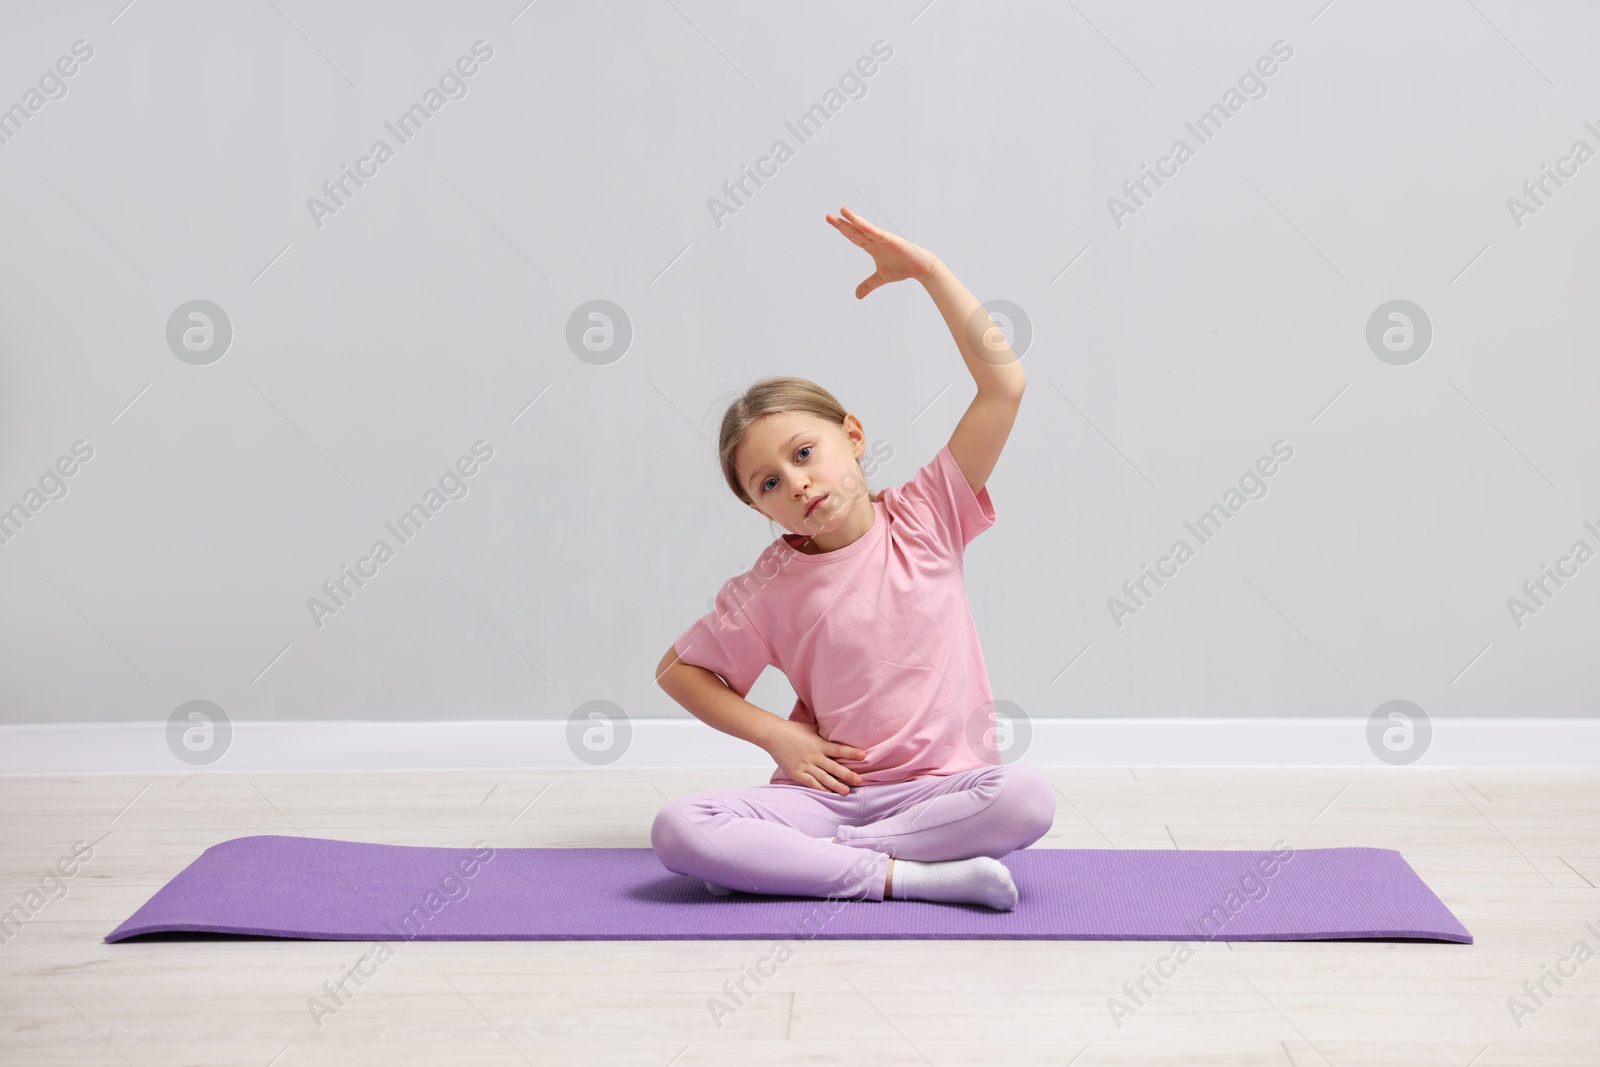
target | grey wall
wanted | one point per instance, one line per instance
(1171, 347)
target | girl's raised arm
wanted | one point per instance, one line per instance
(981, 434)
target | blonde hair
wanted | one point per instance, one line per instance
(766, 397)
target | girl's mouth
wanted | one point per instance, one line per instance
(815, 504)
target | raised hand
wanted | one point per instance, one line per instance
(895, 257)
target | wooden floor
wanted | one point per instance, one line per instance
(1515, 854)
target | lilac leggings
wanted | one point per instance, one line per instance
(773, 838)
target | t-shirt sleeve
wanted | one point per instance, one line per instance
(725, 641)
(939, 503)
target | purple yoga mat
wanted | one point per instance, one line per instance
(320, 889)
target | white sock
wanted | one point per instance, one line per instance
(721, 892)
(979, 880)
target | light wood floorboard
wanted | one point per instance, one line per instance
(1514, 853)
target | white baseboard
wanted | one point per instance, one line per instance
(141, 748)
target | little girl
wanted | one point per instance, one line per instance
(863, 606)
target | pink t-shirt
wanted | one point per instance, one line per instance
(876, 638)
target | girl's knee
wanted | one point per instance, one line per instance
(673, 836)
(1032, 800)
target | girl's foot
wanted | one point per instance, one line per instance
(979, 880)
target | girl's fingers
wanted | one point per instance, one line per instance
(861, 234)
(829, 782)
(864, 226)
(871, 236)
(855, 235)
(874, 241)
(844, 774)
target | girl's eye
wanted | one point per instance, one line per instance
(765, 488)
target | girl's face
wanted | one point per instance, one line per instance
(790, 460)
